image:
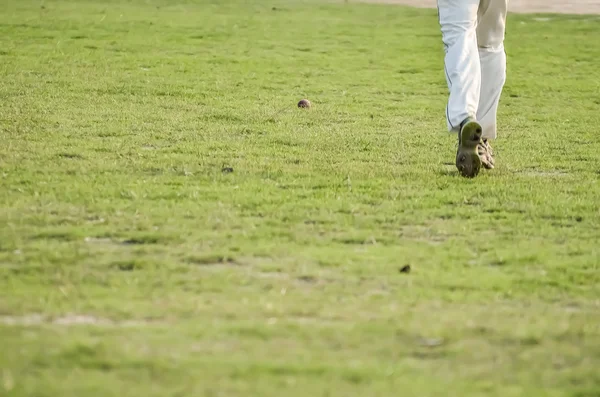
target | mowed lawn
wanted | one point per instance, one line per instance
(172, 224)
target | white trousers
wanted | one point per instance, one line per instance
(475, 62)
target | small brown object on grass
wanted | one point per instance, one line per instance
(405, 269)
(304, 103)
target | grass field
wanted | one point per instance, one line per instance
(134, 263)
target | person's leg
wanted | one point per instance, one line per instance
(490, 40)
(458, 22)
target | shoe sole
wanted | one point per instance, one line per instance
(487, 159)
(488, 164)
(468, 161)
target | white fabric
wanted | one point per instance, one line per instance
(475, 62)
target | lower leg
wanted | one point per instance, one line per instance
(493, 76)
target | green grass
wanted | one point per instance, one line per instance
(132, 265)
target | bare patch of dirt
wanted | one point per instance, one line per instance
(67, 320)
(521, 6)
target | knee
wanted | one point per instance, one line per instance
(457, 32)
(491, 40)
(491, 46)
